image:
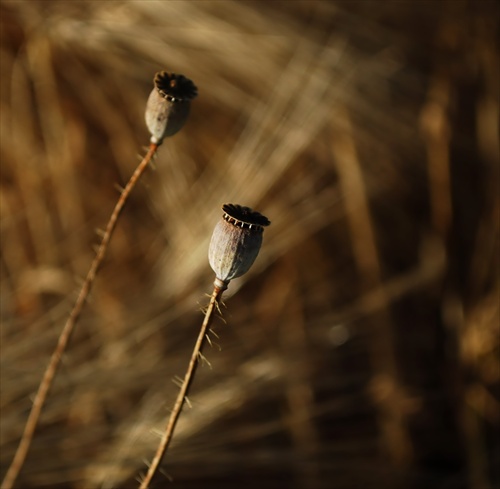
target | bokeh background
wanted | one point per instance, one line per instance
(362, 350)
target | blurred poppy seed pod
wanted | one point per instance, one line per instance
(168, 105)
(235, 243)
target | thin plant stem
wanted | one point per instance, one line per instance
(184, 390)
(51, 370)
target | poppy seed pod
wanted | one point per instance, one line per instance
(168, 105)
(235, 243)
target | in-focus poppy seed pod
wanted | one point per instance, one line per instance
(168, 105)
(235, 243)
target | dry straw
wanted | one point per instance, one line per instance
(356, 125)
(166, 112)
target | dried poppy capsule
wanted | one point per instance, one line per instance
(235, 242)
(168, 105)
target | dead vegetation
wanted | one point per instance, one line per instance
(362, 348)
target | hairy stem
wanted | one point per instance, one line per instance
(64, 337)
(184, 390)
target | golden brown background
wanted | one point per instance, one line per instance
(361, 351)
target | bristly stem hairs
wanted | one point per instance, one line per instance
(235, 244)
(166, 112)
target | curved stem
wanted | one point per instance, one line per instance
(51, 370)
(183, 392)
